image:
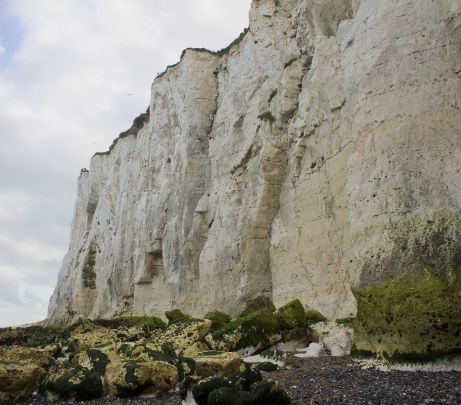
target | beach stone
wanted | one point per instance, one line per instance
(132, 378)
(183, 335)
(72, 382)
(39, 356)
(247, 334)
(292, 314)
(18, 379)
(216, 364)
(262, 392)
(195, 349)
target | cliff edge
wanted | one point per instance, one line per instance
(317, 158)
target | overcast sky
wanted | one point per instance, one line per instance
(73, 75)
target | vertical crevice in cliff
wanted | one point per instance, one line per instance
(199, 229)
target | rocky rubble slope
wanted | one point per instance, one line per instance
(317, 157)
(132, 356)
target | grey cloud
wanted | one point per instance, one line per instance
(64, 96)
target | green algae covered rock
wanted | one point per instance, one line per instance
(260, 393)
(215, 363)
(72, 382)
(265, 366)
(40, 356)
(245, 377)
(247, 334)
(34, 336)
(83, 340)
(175, 316)
(195, 349)
(229, 396)
(292, 314)
(313, 316)
(218, 319)
(18, 379)
(268, 392)
(241, 379)
(244, 386)
(146, 352)
(132, 378)
(182, 335)
(261, 302)
(416, 317)
(150, 322)
(98, 360)
(202, 389)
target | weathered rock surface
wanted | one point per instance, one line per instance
(18, 379)
(318, 156)
(125, 358)
(72, 382)
(216, 364)
(336, 339)
(132, 378)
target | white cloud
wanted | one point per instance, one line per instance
(64, 96)
(23, 298)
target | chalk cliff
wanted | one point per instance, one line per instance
(316, 157)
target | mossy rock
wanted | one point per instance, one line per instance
(269, 393)
(265, 366)
(298, 334)
(229, 396)
(99, 360)
(313, 316)
(183, 335)
(260, 393)
(275, 355)
(261, 302)
(44, 357)
(292, 314)
(202, 389)
(94, 338)
(150, 322)
(149, 352)
(415, 317)
(175, 316)
(72, 382)
(132, 378)
(34, 336)
(245, 386)
(239, 380)
(255, 331)
(245, 377)
(195, 349)
(185, 385)
(127, 379)
(218, 319)
(18, 380)
(82, 325)
(216, 364)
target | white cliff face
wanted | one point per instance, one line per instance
(321, 152)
